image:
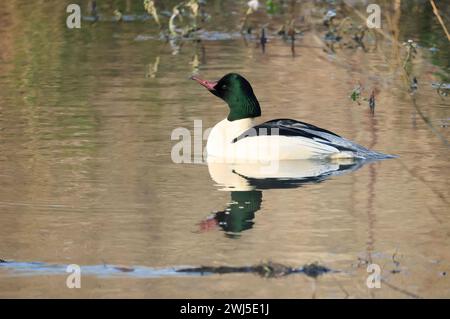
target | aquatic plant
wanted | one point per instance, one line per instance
(150, 7)
(175, 14)
(411, 51)
(272, 7)
(118, 15)
(189, 8)
(355, 95)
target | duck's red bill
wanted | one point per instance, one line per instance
(207, 84)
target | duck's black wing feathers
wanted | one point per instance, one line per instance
(285, 127)
(293, 128)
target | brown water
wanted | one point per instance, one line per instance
(86, 175)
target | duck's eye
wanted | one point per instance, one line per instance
(224, 87)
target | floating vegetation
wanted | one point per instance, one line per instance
(356, 96)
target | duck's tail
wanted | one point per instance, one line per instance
(360, 152)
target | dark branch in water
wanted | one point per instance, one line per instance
(314, 270)
(263, 40)
(267, 270)
(372, 102)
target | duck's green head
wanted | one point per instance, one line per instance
(235, 90)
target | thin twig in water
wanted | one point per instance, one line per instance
(263, 40)
(421, 179)
(372, 102)
(401, 290)
(347, 295)
(428, 123)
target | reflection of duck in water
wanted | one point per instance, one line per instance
(246, 182)
(239, 214)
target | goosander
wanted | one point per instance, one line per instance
(238, 138)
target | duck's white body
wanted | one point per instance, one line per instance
(242, 140)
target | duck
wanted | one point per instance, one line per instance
(238, 138)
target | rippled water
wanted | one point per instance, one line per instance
(86, 175)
